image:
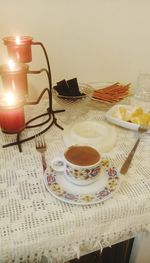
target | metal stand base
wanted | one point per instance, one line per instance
(50, 112)
(51, 118)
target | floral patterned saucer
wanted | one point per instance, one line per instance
(107, 183)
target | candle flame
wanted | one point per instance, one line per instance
(17, 40)
(13, 85)
(11, 64)
(9, 99)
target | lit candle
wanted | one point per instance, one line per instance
(12, 119)
(17, 40)
(14, 77)
(19, 48)
(11, 64)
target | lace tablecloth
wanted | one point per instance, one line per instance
(33, 223)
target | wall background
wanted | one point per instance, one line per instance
(93, 40)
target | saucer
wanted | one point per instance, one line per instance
(72, 98)
(103, 188)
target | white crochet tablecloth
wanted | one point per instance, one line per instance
(33, 223)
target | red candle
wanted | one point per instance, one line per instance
(14, 78)
(12, 119)
(19, 48)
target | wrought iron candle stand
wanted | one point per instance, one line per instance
(49, 112)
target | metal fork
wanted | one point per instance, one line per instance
(41, 147)
(126, 164)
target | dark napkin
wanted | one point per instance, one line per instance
(68, 88)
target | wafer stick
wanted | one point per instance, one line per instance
(109, 87)
(103, 100)
(106, 97)
(114, 89)
(112, 93)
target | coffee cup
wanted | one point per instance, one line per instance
(81, 164)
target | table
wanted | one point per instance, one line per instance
(34, 224)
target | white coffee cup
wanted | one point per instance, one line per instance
(81, 164)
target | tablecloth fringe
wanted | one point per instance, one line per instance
(77, 251)
(65, 254)
(146, 228)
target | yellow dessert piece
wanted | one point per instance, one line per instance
(137, 116)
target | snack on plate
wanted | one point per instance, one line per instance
(137, 115)
(112, 93)
(69, 88)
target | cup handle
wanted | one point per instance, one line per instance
(58, 164)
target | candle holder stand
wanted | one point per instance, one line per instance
(52, 120)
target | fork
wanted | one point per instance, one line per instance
(126, 164)
(41, 147)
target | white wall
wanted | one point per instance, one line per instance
(93, 40)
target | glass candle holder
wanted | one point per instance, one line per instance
(12, 118)
(15, 78)
(19, 48)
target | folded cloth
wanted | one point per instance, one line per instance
(74, 87)
(62, 88)
(68, 88)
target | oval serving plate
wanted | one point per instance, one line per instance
(110, 116)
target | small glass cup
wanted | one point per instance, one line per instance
(143, 87)
(15, 79)
(12, 118)
(19, 48)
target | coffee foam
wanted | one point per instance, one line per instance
(82, 155)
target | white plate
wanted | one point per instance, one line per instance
(98, 134)
(100, 85)
(107, 183)
(125, 124)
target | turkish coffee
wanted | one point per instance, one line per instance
(82, 155)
